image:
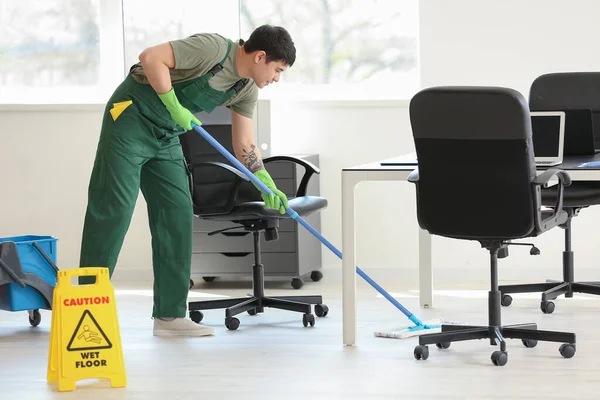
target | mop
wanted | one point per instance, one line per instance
(419, 327)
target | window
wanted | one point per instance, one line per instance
(78, 51)
(50, 51)
(361, 48)
(146, 26)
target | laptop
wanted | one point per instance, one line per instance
(548, 135)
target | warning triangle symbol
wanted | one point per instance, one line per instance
(88, 335)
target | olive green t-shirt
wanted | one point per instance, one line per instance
(196, 55)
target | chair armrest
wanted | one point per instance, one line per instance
(309, 167)
(193, 166)
(542, 180)
(304, 163)
(413, 177)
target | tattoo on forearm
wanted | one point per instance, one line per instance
(251, 160)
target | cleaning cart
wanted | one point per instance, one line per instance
(28, 274)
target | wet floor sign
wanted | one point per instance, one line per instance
(85, 341)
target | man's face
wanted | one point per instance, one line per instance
(265, 72)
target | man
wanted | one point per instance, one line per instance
(139, 149)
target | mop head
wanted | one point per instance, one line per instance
(432, 326)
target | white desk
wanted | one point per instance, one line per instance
(351, 177)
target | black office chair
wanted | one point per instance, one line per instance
(558, 92)
(476, 180)
(220, 192)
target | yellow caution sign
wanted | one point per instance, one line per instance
(85, 340)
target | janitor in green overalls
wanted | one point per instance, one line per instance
(139, 149)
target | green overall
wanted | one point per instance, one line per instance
(139, 149)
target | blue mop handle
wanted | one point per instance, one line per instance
(295, 216)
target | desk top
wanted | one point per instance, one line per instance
(407, 162)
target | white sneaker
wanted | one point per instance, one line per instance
(180, 327)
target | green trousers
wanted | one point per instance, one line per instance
(140, 150)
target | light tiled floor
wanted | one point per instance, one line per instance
(273, 356)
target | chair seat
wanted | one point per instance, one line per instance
(304, 205)
(579, 194)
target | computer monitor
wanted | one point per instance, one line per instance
(580, 138)
(548, 130)
(596, 129)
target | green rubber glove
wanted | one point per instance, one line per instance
(181, 115)
(271, 200)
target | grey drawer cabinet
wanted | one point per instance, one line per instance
(296, 255)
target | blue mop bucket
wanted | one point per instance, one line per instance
(32, 251)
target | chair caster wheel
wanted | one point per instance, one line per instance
(196, 316)
(35, 318)
(567, 350)
(443, 345)
(530, 343)
(499, 358)
(321, 310)
(208, 278)
(421, 352)
(506, 300)
(316, 276)
(252, 312)
(232, 323)
(191, 284)
(547, 307)
(297, 283)
(308, 319)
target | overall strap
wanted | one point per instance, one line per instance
(219, 66)
(239, 85)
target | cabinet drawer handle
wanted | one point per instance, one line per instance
(235, 254)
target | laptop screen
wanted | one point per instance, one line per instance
(546, 135)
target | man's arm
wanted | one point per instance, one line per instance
(157, 61)
(244, 145)
(248, 154)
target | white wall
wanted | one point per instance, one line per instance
(46, 156)
(347, 133)
(506, 42)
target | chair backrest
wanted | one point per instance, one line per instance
(476, 163)
(565, 90)
(212, 187)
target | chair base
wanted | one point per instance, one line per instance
(550, 291)
(495, 331)
(257, 302)
(255, 305)
(528, 333)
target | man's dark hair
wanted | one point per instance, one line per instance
(273, 40)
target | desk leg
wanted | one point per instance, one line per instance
(425, 270)
(349, 181)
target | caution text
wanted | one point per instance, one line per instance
(86, 301)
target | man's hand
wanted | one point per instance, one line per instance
(275, 199)
(181, 115)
